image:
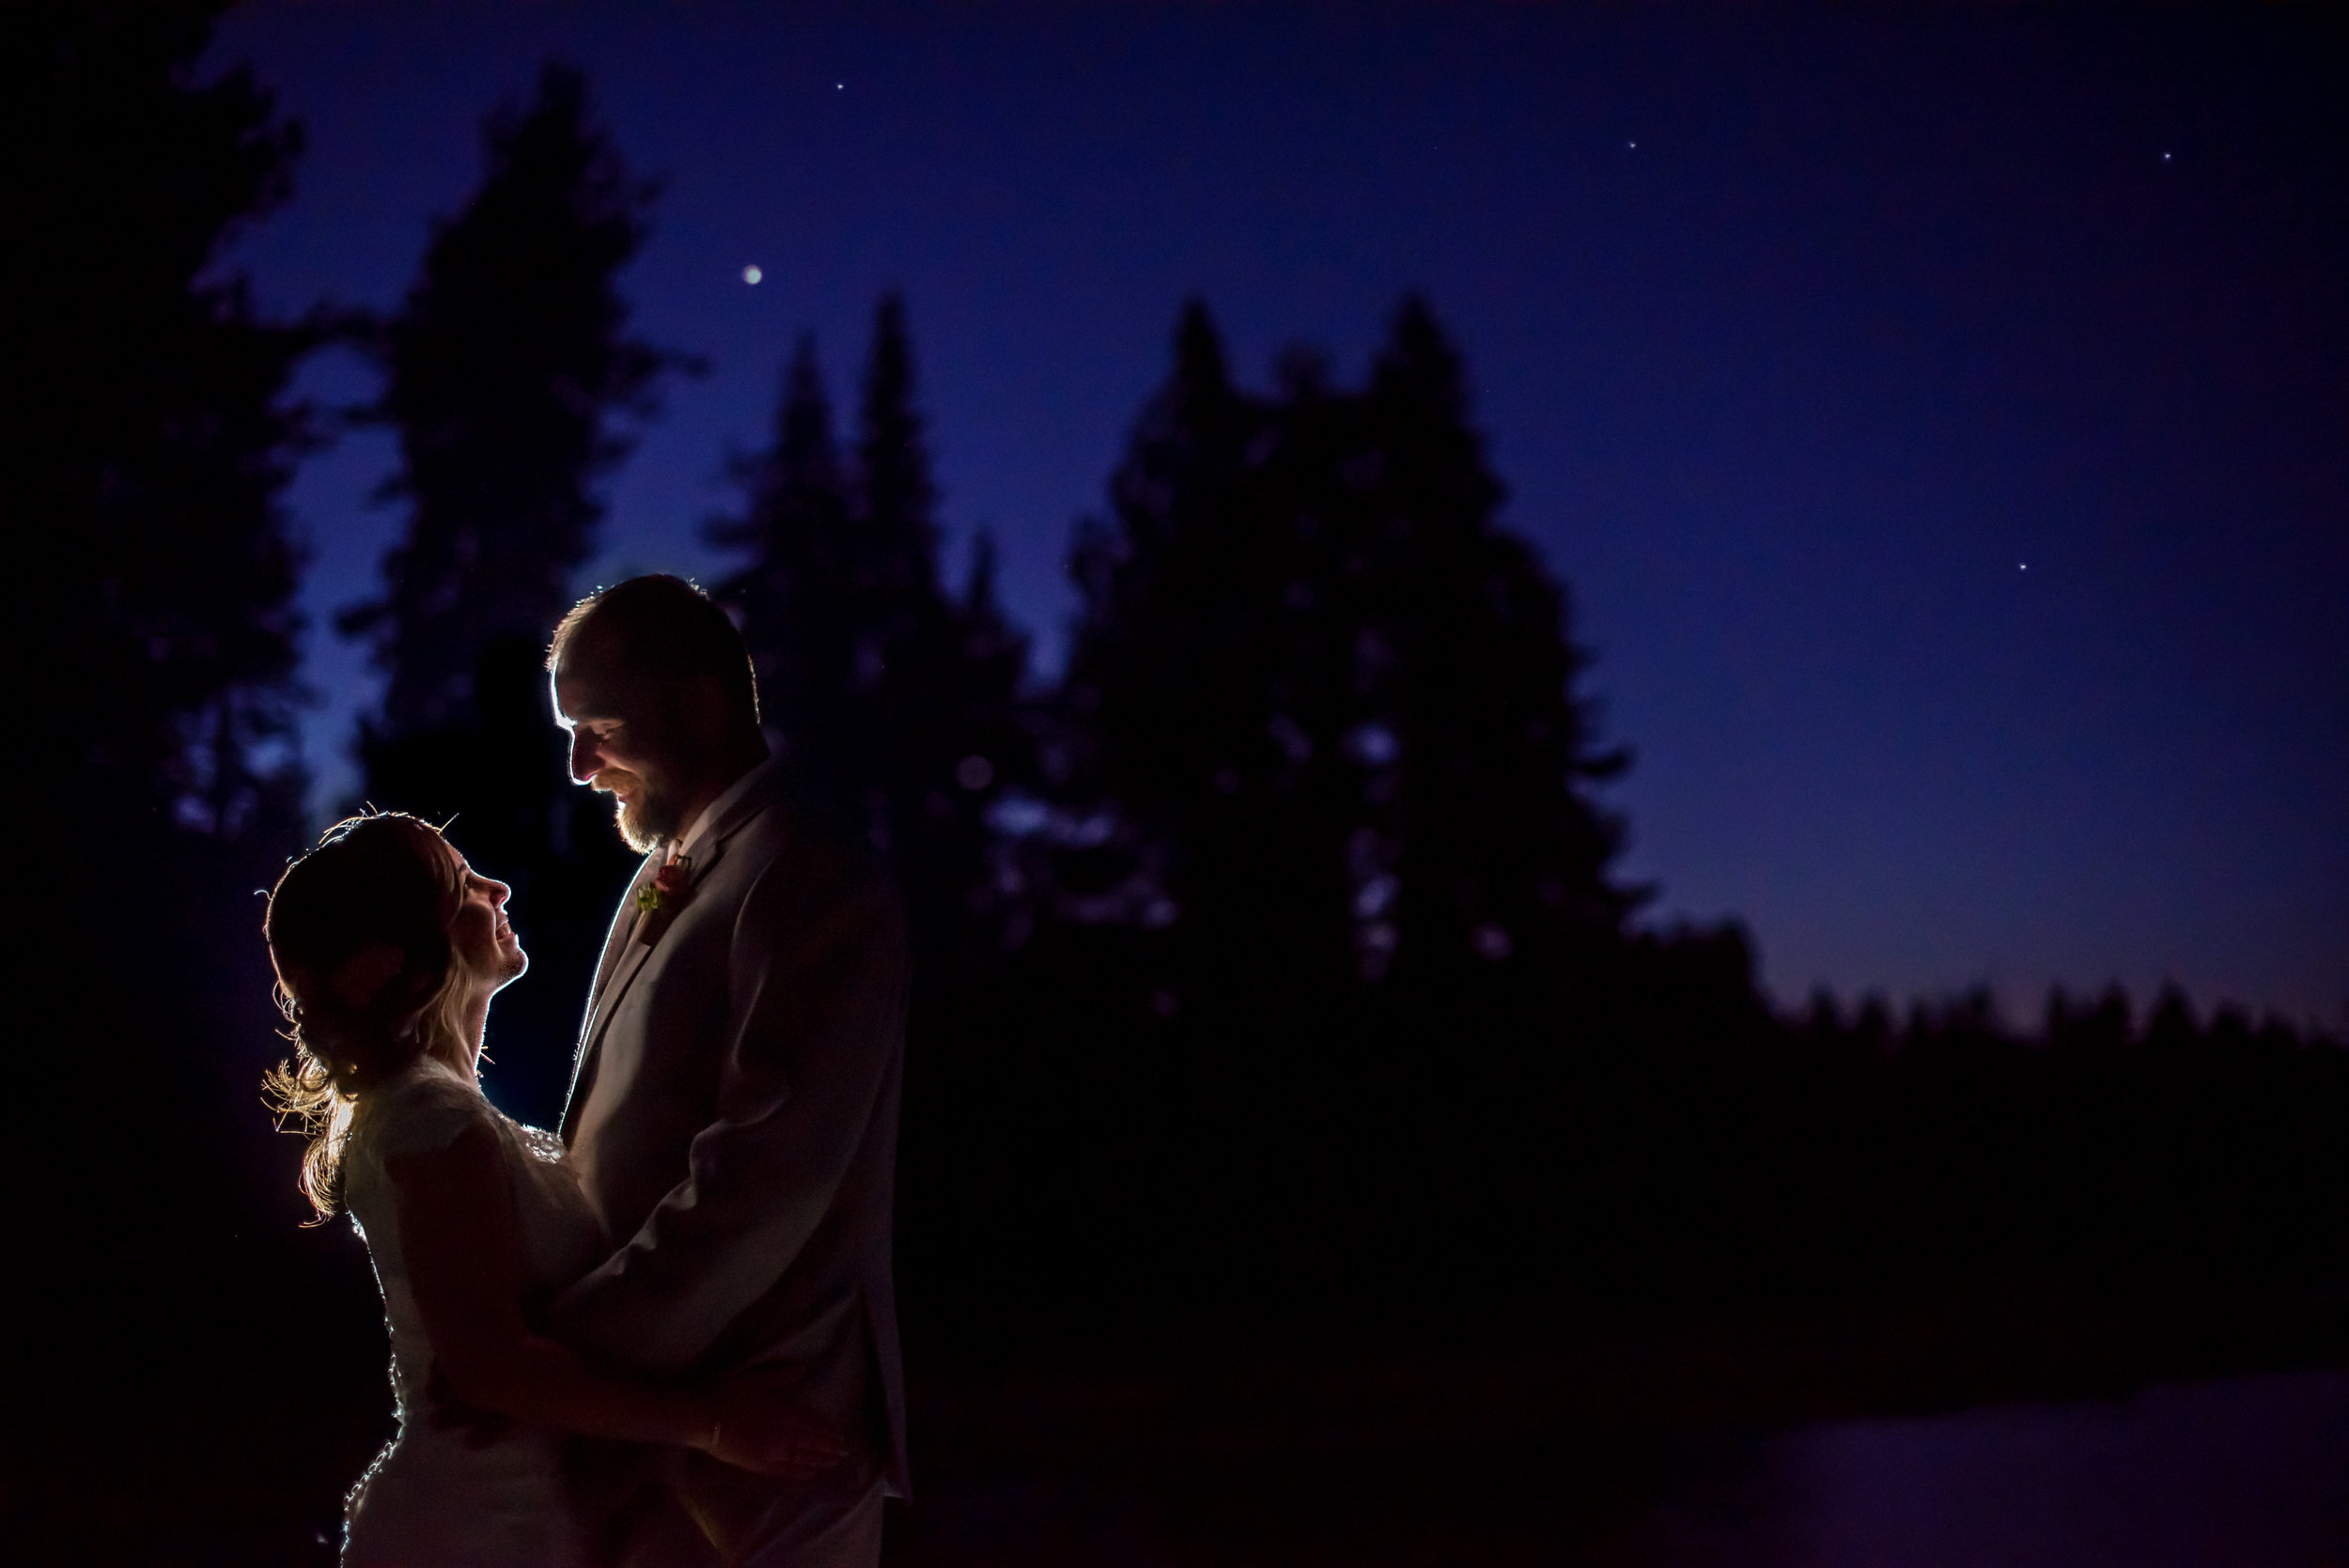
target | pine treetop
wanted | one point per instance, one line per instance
(507, 366)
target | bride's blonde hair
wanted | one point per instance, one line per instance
(368, 978)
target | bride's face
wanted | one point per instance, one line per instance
(484, 943)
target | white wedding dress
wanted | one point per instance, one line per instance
(432, 1498)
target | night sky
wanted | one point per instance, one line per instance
(1942, 418)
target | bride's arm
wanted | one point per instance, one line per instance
(463, 1251)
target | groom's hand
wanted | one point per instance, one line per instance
(447, 1413)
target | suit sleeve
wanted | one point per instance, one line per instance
(815, 1024)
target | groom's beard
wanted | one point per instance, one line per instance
(647, 819)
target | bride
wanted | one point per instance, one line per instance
(388, 948)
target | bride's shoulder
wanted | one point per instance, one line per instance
(421, 1107)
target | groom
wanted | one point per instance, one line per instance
(733, 1110)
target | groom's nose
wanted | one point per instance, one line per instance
(584, 757)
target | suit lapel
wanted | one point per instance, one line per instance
(616, 947)
(631, 960)
(619, 972)
(623, 956)
(623, 927)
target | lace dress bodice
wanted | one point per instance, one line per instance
(432, 1496)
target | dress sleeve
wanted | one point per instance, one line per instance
(427, 1112)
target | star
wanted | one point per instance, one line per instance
(750, 275)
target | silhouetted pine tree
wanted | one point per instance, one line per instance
(903, 640)
(1205, 805)
(793, 599)
(1323, 728)
(898, 706)
(1204, 698)
(150, 605)
(1331, 699)
(153, 642)
(508, 373)
(1502, 857)
(505, 366)
(152, 601)
(978, 737)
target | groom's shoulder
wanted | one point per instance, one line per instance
(791, 847)
(818, 892)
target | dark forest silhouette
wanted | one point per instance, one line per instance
(513, 387)
(152, 1287)
(1278, 993)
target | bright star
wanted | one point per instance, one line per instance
(2022, 566)
(752, 276)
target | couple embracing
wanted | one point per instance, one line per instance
(668, 1336)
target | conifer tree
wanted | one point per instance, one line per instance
(1329, 703)
(902, 637)
(1198, 692)
(1139, 683)
(898, 706)
(897, 498)
(1501, 855)
(953, 734)
(1330, 696)
(1324, 706)
(153, 643)
(792, 596)
(973, 730)
(504, 369)
(153, 599)
(511, 381)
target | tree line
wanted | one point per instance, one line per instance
(1275, 972)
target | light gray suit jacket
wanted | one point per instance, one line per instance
(733, 1115)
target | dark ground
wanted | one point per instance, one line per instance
(1566, 1454)
(213, 1444)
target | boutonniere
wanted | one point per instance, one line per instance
(658, 900)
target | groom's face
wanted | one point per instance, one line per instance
(626, 743)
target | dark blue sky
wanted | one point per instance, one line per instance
(1942, 418)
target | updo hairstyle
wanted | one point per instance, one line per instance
(358, 929)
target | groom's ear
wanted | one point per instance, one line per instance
(702, 702)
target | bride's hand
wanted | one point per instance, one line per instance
(757, 1428)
